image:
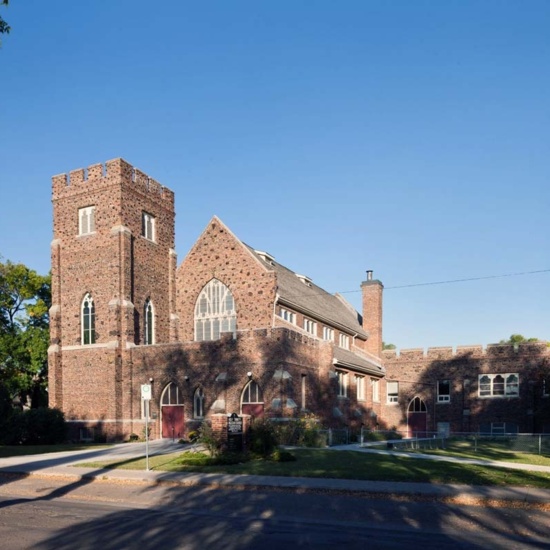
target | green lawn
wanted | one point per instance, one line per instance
(346, 465)
(486, 450)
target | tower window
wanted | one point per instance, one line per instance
(86, 220)
(88, 320)
(149, 316)
(148, 226)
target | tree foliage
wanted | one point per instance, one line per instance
(518, 339)
(25, 298)
(388, 346)
(4, 27)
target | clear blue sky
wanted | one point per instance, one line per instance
(407, 137)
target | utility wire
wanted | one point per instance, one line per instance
(450, 281)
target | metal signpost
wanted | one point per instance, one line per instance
(146, 396)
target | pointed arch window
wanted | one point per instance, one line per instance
(149, 325)
(88, 320)
(214, 312)
(252, 393)
(171, 395)
(417, 405)
(198, 403)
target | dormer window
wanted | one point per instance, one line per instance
(266, 257)
(304, 278)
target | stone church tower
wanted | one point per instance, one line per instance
(113, 287)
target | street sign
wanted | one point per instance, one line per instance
(146, 392)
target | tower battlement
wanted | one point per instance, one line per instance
(110, 172)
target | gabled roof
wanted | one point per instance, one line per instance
(300, 293)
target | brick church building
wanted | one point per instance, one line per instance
(230, 330)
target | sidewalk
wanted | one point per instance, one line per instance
(61, 465)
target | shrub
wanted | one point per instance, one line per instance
(262, 437)
(210, 440)
(133, 437)
(193, 436)
(279, 455)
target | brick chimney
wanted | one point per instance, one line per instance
(372, 313)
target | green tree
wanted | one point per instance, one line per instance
(4, 27)
(25, 297)
(518, 339)
(388, 346)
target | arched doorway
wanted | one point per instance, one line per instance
(417, 416)
(252, 400)
(171, 410)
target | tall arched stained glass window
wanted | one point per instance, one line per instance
(214, 312)
(88, 320)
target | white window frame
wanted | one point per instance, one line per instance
(498, 385)
(287, 315)
(148, 226)
(342, 377)
(360, 386)
(86, 220)
(443, 397)
(310, 326)
(343, 341)
(87, 320)
(375, 383)
(328, 334)
(392, 392)
(198, 403)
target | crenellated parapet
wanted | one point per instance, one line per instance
(114, 171)
(449, 352)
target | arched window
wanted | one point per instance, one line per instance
(88, 320)
(417, 405)
(149, 325)
(171, 395)
(198, 403)
(252, 393)
(214, 312)
(252, 400)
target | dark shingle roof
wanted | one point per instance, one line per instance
(311, 299)
(359, 362)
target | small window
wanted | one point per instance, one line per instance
(88, 320)
(392, 390)
(198, 403)
(342, 383)
(443, 391)
(148, 226)
(344, 341)
(86, 220)
(360, 382)
(310, 326)
(375, 389)
(287, 315)
(149, 325)
(328, 334)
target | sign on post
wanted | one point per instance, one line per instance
(146, 396)
(235, 432)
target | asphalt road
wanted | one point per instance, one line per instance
(48, 513)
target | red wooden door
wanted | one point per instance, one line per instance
(417, 424)
(255, 410)
(172, 421)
